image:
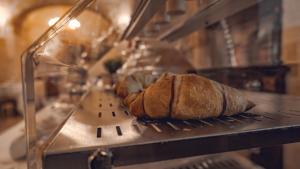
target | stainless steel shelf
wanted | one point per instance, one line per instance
(208, 14)
(213, 12)
(101, 122)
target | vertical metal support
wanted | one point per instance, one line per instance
(29, 110)
(269, 157)
(141, 17)
(34, 155)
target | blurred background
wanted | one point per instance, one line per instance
(256, 49)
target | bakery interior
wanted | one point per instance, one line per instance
(62, 60)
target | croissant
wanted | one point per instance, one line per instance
(186, 97)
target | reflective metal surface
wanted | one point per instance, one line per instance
(30, 57)
(101, 122)
(141, 17)
(28, 62)
(211, 13)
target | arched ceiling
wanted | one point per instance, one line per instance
(117, 12)
(16, 34)
(37, 21)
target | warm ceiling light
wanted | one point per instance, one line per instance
(73, 24)
(52, 21)
(4, 14)
(124, 20)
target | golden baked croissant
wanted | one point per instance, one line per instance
(186, 97)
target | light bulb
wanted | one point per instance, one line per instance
(124, 20)
(4, 15)
(73, 24)
(52, 21)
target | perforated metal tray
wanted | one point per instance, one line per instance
(101, 122)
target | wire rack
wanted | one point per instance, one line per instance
(102, 123)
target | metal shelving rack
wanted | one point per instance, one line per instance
(102, 134)
(213, 12)
(101, 130)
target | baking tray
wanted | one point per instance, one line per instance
(101, 123)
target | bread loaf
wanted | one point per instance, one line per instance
(186, 96)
